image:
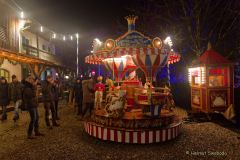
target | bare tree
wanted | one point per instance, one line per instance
(193, 23)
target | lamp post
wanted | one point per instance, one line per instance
(77, 36)
(98, 43)
(168, 41)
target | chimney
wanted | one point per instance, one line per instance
(131, 22)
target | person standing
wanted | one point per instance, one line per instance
(78, 94)
(48, 100)
(16, 95)
(4, 97)
(56, 94)
(88, 95)
(30, 102)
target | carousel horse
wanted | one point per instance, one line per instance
(115, 105)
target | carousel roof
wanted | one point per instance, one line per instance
(210, 56)
(130, 43)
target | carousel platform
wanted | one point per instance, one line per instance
(134, 127)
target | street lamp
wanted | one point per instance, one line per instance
(77, 36)
(99, 43)
(168, 41)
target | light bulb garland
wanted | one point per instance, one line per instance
(53, 34)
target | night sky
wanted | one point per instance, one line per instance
(91, 18)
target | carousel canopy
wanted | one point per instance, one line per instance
(130, 43)
(146, 53)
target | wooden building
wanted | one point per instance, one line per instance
(24, 49)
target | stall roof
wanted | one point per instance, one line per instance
(210, 56)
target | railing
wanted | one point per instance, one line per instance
(41, 54)
(29, 50)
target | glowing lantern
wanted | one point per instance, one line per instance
(157, 43)
(109, 44)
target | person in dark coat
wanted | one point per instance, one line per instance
(88, 95)
(48, 100)
(56, 94)
(4, 97)
(16, 95)
(30, 102)
(78, 94)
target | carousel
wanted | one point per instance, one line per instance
(125, 110)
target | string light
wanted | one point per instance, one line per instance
(77, 35)
(54, 35)
(41, 28)
(22, 14)
(64, 38)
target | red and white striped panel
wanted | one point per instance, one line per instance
(98, 57)
(130, 136)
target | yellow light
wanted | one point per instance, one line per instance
(71, 37)
(108, 44)
(64, 38)
(200, 77)
(41, 28)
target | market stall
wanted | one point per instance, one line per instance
(211, 81)
(131, 113)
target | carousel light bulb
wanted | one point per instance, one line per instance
(168, 41)
(41, 28)
(108, 44)
(71, 37)
(98, 41)
(22, 14)
(64, 38)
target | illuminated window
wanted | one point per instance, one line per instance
(196, 76)
(4, 73)
(218, 77)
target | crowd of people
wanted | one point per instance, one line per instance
(24, 95)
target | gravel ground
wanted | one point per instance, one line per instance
(198, 141)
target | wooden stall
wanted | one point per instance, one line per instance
(211, 82)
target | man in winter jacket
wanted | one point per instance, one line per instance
(78, 94)
(88, 95)
(16, 95)
(48, 100)
(4, 97)
(30, 102)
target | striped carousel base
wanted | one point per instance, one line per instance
(143, 136)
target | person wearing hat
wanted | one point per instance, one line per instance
(78, 94)
(4, 97)
(16, 95)
(30, 102)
